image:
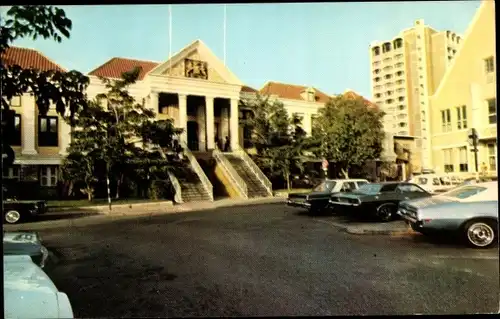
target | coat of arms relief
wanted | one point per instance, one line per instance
(195, 69)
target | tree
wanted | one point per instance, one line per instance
(119, 134)
(66, 90)
(278, 138)
(348, 133)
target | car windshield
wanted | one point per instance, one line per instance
(369, 189)
(325, 186)
(465, 191)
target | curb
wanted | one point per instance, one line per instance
(105, 208)
(124, 215)
(358, 231)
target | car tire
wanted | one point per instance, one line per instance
(480, 233)
(12, 216)
(386, 212)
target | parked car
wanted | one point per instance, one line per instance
(24, 243)
(437, 183)
(29, 292)
(16, 211)
(317, 199)
(380, 200)
(469, 210)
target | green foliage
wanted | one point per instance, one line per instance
(278, 138)
(348, 133)
(64, 89)
(119, 134)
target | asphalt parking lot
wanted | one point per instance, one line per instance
(263, 260)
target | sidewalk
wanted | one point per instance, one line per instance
(143, 210)
(394, 228)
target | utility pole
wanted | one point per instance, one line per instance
(473, 141)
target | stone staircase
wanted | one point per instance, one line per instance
(192, 188)
(254, 185)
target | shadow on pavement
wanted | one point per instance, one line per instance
(50, 216)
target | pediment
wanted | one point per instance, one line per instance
(198, 62)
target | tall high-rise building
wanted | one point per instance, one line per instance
(406, 70)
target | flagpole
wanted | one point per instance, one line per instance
(170, 35)
(225, 8)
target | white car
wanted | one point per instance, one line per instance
(29, 292)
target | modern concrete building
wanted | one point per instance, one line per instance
(465, 99)
(406, 70)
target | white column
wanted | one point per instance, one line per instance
(153, 102)
(306, 124)
(233, 124)
(209, 107)
(183, 117)
(29, 126)
(64, 136)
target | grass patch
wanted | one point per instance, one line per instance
(98, 202)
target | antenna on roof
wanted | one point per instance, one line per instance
(225, 20)
(170, 35)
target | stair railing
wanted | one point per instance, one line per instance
(177, 187)
(233, 175)
(199, 171)
(256, 170)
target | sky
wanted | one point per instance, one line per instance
(324, 45)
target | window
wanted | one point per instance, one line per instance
(492, 156)
(12, 172)
(299, 117)
(348, 187)
(386, 47)
(401, 107)
(376, 71)
(16, 138)
(462, 154)
(388, 93)
(376, 51)
(492, 111)
(388, 76)
(489, 65)
(465, 191)
(48, 176)
(377, 79)
(399, 73)
(446, 120)
(401, 98)
(325, 186)
(361, 183)
(447, 160)
(47, 131)
(409, 188)
(389, 101)
(402, 124)
(461, 117)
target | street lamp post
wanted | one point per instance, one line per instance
(473, 141)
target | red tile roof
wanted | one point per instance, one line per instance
(354, 95)
(116, 66)
(245, 88)
(28, 59)
(291, 91)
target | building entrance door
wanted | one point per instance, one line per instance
(192, 135)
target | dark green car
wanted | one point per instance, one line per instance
(317, 200)
(378, 200)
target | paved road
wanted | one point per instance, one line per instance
(262, 260)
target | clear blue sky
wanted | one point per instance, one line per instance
(320, 44)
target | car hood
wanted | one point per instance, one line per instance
(429, 201)
(21, 243)
(29, 292)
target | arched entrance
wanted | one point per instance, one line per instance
(192, 135)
